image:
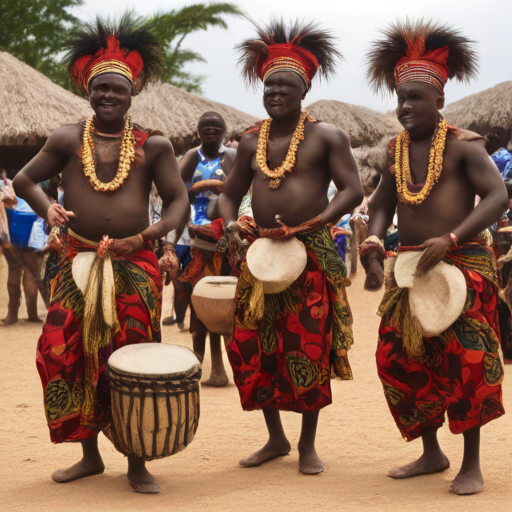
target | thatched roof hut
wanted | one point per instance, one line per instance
(371, 162)
(175, 112)
(31, 105)
(364, 126)
(484, 110)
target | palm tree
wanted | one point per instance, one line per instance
(36, 33)
(174, 26)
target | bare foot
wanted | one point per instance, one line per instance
(309, 461)
(217, 379)
(141, 480)
(268, 452)
(34, 319)
(79, 470)
(468, 482)
(10, 320)
(423, 466)
(374, 280)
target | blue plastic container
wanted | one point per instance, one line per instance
(20, 226)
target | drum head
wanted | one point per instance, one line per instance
(155, 360)
(216, 287)
(276, 263)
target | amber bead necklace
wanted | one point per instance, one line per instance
(126, 157)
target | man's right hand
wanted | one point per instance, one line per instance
(56, 215)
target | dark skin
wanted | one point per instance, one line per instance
(122, 215)
(467, 172)
(24, 266)
(212, 131)
(324, 154)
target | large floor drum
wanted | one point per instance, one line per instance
(155, 399)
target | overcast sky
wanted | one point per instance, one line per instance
(355, 23)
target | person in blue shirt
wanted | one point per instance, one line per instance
(495, 143)
(204, 170)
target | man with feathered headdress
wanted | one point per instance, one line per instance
(108, 165)
(285, 343)
(435, 359)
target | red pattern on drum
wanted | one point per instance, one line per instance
(60, 356)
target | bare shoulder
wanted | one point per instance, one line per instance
(188, 163)
(230, 153)
(190, 155)
(248, 142)
(466, 146)
(330, 133)
(157, 144)
(65, 138)
(155, 147)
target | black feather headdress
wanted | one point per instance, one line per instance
(420, 51)
(303, 48)
(127, 47)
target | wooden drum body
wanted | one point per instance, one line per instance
(213, 299)
(155, 399)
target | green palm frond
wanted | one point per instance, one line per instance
(171, 28)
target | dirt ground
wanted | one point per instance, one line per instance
(357, 440)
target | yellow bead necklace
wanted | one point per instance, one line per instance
(126, 157)
(403, 168)
(279, 173)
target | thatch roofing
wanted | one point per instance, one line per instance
(364, 126)
(484, 110)
(175, 112)
(31, 105)
(371, 162)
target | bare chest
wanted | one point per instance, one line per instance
(447, 204)
(78, 188)
(309, 159)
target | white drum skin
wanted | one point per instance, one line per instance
(155, 399)
(213, 299)
(276, 263)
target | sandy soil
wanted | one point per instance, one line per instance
(357, 440)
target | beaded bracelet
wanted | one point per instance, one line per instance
(371, 244)
(455, 239)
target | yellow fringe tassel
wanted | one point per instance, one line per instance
(395, 303)
(408, 326)
(100, 324)
(254, 312)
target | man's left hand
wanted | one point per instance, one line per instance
(127, 246)
(435, 251)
